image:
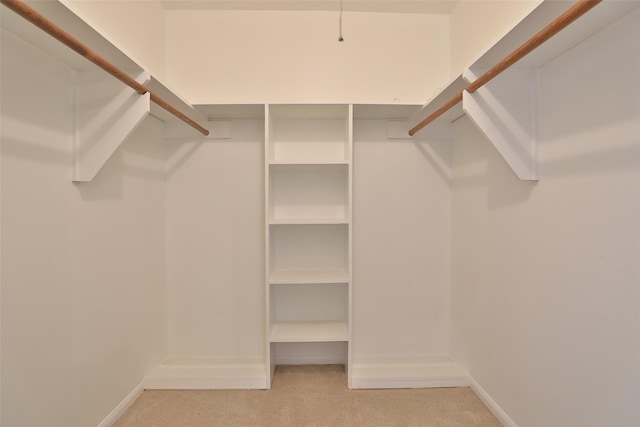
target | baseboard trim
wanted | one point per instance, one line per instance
(207, 376)
(495, 409)
(408, 374)
(122, 407)
(310, 360)
(322, 353)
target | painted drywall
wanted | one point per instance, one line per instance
(476, 25)
(280, 57)
(401, 247)
(118, 258)
(215, 249)
(83, 315)
(135, 27)
(545, 275)
(36, 271)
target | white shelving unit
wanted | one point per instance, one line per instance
(308, 229)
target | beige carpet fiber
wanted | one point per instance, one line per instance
(309, 396)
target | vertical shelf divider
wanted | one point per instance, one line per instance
(270, 351)
(349, 202)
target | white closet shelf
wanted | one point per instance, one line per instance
(590, 23)
(106, 111)
(308, 111)
(307, 221)
(63, 17)
(309, 332)
(397, 111)
(309, 276)
(307, 162)
(504, 109)
(231, 111)
(58, 13)
(593, 21)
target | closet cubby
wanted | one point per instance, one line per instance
(309, 252)
(308, 199)
(309, 134)
(308, 194)
(309, 312)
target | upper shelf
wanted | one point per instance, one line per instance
(231, 111)
(592, 22)
(384, 111)
(64, 18)
(308, 111)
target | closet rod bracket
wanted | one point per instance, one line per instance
(505, 111)
(106, 113)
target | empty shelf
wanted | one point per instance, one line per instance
(309, 332)
(309, 276)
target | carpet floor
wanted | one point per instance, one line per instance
(305, 396)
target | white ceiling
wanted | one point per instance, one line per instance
(388, 6)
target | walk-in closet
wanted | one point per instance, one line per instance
(430, 194)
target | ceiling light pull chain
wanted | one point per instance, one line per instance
(340, 39)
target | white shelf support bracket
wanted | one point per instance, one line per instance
(505, 111)
(106, 113)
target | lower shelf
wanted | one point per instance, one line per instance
(309, 332)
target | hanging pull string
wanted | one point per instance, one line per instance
(340, 39)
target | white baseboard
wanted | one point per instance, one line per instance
(322, 353)
(408, 373)
(495, 409)
(203, 375)
(122, 407)
(309, 360)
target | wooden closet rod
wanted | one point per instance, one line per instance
(573, 13)
(58, 33)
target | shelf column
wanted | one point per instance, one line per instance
(308, 233)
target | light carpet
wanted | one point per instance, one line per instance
(306, 396)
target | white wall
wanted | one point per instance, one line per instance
(83, 292)
(215, 249)
(545, 285)
(476, 25)
(228, 56)
(118, 277)
(36, 271)
(401, 246)
(280, 57)
(135, 27)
